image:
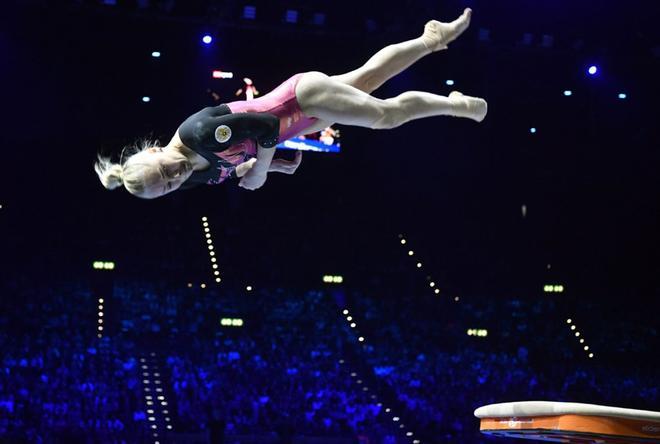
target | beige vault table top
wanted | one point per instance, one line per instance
(569, 422)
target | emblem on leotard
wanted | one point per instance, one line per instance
(222, 133)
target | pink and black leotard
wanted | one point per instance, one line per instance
(227, 135)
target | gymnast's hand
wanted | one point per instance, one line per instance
(244, 167)
(286, 166)
(252, 178)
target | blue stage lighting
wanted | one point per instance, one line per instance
(249, 12)
(532, 130)
(318, 19)
(449, 82)
(568, 92)
(207, 39)
(622, 96)
(155, 54)
(291, 16)
(547, 41)
(593, 69)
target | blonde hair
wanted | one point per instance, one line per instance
(127, 172)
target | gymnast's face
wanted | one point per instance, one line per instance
(167, 169)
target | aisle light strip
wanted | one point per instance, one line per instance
(99, 333)
(211, 248)
(418, 264)
(153, 409)
(577, 334)
(350, 317)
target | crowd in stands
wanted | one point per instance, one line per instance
(58, 381)
(290, 369)
(287, 372)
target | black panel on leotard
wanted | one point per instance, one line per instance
(198, 130)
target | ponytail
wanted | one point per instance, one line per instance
(127, 172)
(109, 173)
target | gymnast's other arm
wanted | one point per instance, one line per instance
(282, 165)
(286, 166)
(276, 166)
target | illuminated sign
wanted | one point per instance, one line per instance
(103, 265)
(217, 74)
(553, 288)
(231, 322)
(328, 279)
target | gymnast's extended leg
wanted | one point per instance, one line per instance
(327, 99)
(384, 65)
(395, 58)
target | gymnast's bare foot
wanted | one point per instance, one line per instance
(437, 34)
(473, 108)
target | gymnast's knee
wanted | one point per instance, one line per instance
(390, 117)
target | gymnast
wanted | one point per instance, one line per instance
(238, 139)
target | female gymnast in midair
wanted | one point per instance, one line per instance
(237, 139)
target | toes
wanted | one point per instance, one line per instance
(458, 26)
(464, 20)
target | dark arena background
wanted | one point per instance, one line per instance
(380, 294)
